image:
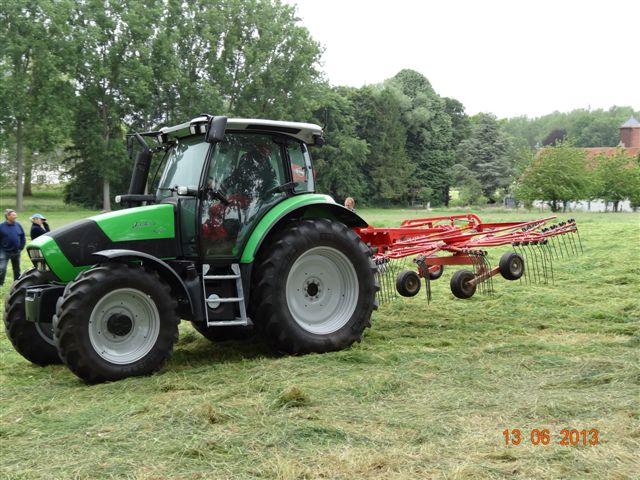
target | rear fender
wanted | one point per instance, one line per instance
(314, 209)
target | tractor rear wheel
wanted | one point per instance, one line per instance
(315, 286)
(116, 321)
(34, 341)
(460, 286)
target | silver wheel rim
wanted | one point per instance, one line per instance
(322, 290)
(124, 326)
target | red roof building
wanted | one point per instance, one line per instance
(629, 140)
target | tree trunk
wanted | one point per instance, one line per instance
(20, 165)
(615, 206)
(106, 196)
(28, 168)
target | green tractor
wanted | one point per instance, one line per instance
(232, 238)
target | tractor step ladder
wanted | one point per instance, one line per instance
(213, 300)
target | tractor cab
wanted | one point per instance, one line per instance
(224, 182)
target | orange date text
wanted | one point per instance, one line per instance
(544, 436)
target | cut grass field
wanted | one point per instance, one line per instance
(427, 394)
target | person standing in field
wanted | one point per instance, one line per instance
(12, 241)
(39, 226)
(350, 203)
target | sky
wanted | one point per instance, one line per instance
(510, 58)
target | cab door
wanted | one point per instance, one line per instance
(241, 185)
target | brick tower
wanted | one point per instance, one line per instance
(630, 133)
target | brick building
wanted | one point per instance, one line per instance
(629, 140)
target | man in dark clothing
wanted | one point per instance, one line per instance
(12, 241)
(39, 226)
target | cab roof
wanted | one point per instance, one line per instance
(307, 132)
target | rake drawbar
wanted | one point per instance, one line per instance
(437, 242)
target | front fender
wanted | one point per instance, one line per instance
(178, 286)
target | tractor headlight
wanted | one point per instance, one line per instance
(37, 258)
(35, 254)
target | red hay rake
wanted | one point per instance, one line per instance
(462, 240)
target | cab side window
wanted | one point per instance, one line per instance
(301, 167)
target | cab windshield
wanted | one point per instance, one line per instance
(184, 165)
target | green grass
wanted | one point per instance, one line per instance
(427, 393)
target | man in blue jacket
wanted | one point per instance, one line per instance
(12, 241)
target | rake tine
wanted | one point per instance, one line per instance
(579, 240)
(569, 238)
(542, 276)
(543, 267)
(527, 270)
(573, 243)
(564, 243)
(547, 251)
(480, 271)
(490, 278)
(555, 250)
(546, 260)
(543, 256)
(535, 259)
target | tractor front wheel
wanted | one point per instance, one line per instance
(34, 341)
(315, 286)
(116, 321)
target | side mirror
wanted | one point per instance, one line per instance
(215, 129)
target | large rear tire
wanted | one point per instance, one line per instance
(116, 321)
(34, 341)
(315, 286)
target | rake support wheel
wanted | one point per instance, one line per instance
(408, 283)
(460, 286)
(511, 266)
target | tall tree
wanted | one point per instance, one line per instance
(488, 154)
(339, 164)
(558, 175)
(388, 167)
(35, 90)
(618, 176)
(112, 40)
(430, 141)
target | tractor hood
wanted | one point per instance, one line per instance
(69, 250)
